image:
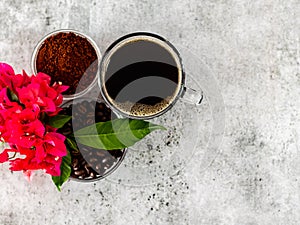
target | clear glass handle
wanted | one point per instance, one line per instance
(192, 96)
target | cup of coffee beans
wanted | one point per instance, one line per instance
(69, 57)
(90, 164)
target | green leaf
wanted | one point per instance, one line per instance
(65, 169)
(115, 134)
(58, 121)
(71, 144)
(12, 96)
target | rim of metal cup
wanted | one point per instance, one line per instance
(116, 166)
(132, 35)
(89, 39)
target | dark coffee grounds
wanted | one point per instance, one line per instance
(68, 58)
(89, 163)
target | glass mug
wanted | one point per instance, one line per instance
(141, 76)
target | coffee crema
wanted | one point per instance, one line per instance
(141, 76)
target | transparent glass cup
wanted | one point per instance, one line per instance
(180, 91)
(77, 94)
(85, 154)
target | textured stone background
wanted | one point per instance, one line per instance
(253, 50)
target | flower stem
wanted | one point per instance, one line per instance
(12, 156)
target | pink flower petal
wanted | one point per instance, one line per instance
(58, 148)
(3, 156)
(6, 69)
(40, 153)
(28, 175)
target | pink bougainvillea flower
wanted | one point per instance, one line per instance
(50, 97)
(52, 165)
(45, 154)
(26, 163)
(25, 101)
(59, 89)
(40, 152)
(54, 144)
(46, 104)
(43, 77)
(25, 128)
(8, 109)
(6, 69)
(49, 146)
(28, 95)
(40, 93)
(21, 80)
(6, 104)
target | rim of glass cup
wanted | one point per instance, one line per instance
(116, 166)
(132, 35)
(89, 39)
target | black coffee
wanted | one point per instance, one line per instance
(142, 77)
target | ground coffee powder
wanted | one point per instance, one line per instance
(68, 58)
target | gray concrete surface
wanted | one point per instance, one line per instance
(253, 51)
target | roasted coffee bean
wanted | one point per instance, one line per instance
(87, 169)
(83, 162)
(79, 172)
(91, 115)
(75, 163)
(92, 174)
(99, 114)
(93, 160)
(100, 153)
(82, 109)
(90, 120)
(101, 106)
(104, 160)
(97, 167)
(85, 104)
(67, 131)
